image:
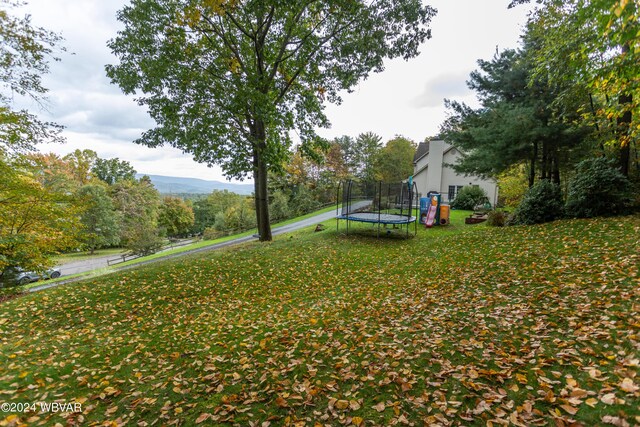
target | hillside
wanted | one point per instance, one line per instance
(176, 185)
(461, 325)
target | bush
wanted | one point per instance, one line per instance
(469, 197)
(542, 203)
(143, 241)
(279, 206)
(597, 189)
(12, 292)
(210, 233)
(496, 218)
(303, 201)
(513, 184)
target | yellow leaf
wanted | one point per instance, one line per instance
(342, 404)
(357, 421)
(569, 409)
(591, 402)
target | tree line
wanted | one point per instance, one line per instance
(309, 180)
(566, 97)
(51, 204)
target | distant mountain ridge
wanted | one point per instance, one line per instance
(175, 185)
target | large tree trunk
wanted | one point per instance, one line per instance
(555, 172)
(624, 125)
(260, 182)
(544, 164)
(532, 168)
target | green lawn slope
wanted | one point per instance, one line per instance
(461, 325)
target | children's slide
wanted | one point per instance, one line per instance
(431, 213)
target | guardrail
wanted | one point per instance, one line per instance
(128, 257)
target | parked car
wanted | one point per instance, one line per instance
(13, 276)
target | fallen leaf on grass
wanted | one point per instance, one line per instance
(342, 404)
(609, 398)
(628, 386)
(569, 409)
(616, 421)
(203, 417)
(379, 407)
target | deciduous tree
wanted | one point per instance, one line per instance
(394, 162)
(175, 216)
(228, 80)
(35, 222)
(138, 203)
(112, 170)
(81, 163)
(101, 223)
(595, 44)
(24, 52)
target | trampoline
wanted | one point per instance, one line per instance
(377, 203)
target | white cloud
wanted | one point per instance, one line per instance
(442, 87)
(405, 99)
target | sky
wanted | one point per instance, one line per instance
(407, 98)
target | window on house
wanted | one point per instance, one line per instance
(453, 191)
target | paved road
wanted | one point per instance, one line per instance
(101, 262)
(83, 266)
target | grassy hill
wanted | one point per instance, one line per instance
(464, 325)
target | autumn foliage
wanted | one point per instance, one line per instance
(470, 325)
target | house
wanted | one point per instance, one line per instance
(432, 171)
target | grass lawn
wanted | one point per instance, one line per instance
(462, 325)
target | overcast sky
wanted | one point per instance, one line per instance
(406, 98)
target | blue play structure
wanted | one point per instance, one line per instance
(433, 211)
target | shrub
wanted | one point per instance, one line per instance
(542, 203)
(210, 233)
(143, 240)
(303, 201)
(279, 206)
(513, 184)
(496, 218)
(469, 197)
(597, 189)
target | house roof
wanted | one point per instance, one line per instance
(423, 149)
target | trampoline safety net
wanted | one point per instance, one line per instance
(377, 203)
